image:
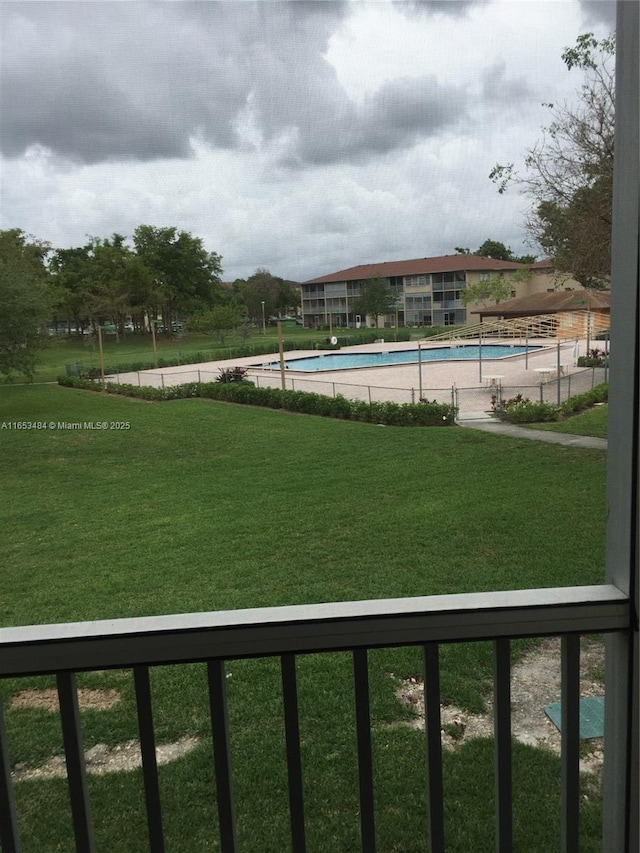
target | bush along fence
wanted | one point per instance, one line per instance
(522, 410)
(424, 413)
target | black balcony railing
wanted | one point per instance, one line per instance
(287, 632)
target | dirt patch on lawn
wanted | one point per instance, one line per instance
(47, 699)
(101, 759)
(535, 682)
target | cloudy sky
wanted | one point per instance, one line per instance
(303, 137)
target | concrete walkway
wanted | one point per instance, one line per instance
(501, 428)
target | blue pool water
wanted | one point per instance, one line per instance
(342, 361)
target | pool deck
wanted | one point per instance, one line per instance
(399, 382)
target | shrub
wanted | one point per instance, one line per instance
(594, 358)
(521, 410)
(423, 413)
(528, 412)
(233, 374)
(598, 394)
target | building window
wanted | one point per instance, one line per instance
(416, 280)
(442, 278)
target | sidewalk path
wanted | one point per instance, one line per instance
(568, 440)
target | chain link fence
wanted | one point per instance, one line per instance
(479, 401)
(471, 402)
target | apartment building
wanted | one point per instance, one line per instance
(428, 291)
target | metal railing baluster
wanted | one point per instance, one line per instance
(149, 762)
(432, 722)
(221, 754)
(74, 757)
(294, 762)
(570, 749)
(9, 838)
(365, 758)
(502, 734)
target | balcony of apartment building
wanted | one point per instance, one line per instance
(430, 623)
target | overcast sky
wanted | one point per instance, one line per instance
(303, 137)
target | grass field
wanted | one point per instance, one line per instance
(63, 350)
(202, 506)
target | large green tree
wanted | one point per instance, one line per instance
(568, 174)
(219, 321)
(25, 301)
(496, 250)
(494, 290)
(117, 284)
(186, 277)
(376, 298)
(70, 269)
(278, 295)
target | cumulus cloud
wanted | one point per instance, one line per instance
(450, 8)
(600, 12)
(104, 82)
(302, 137)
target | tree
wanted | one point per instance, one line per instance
(118, 282)
(101, 281)
(70, 274)
(278, 295)
(498, 251)
(495, 249)
(185, 276)
(493, 290)
(376, 298)
(25, 301)
(568, 174)
(219, 321)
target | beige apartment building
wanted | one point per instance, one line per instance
(428, 291)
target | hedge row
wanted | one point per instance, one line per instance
(524, 411)
(389, 414)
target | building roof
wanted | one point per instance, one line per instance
(549, 303)
(417, 266)
(544, 264)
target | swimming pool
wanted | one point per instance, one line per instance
(343, 361)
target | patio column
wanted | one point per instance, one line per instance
(622, 671)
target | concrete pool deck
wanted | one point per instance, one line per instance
(401, 383)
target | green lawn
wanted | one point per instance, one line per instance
(202, 506)
(63, 350)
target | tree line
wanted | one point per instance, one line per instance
(162, 275)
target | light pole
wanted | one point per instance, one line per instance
(264, 324)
